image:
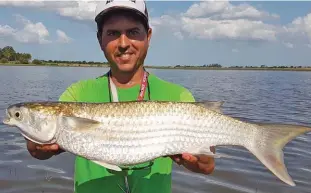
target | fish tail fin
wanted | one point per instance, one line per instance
(268, 147)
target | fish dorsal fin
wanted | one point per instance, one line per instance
(213, 105)
(80, 124)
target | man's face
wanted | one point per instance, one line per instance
(124, 42)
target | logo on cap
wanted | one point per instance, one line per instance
(109, 1)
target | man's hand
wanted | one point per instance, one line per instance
(200, 163)
(42, 152)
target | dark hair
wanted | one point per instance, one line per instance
(128, 13)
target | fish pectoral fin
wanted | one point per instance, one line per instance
(213, 105)
(107, 165)
(78, 123)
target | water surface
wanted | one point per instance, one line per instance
(257, 96)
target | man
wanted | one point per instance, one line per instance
(124, 35)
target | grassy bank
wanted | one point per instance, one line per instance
(168, 67)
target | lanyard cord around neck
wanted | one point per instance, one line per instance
(113, 91)
(113, 94)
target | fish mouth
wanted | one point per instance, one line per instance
(7, 119)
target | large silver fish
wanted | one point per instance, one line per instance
(126, 133)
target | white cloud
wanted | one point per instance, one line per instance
(225, 10)
(179, 35)
(288, 45)
(81, 11)
(221, 20)
(32, 3)
(208, 28)
(62, 37)
(301, 25)
(206, 8)
(166, 21)
(204, 20)
(44, 4)
(241, 29)
(30, 32)
(6, 30)
(76, 9)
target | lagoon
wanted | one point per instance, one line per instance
(257, 96)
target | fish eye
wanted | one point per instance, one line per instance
(17, 114)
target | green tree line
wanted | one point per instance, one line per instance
(9, 55)
(72, 62)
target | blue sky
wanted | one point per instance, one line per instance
(228, 33)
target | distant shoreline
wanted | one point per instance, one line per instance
(172, 67)
(234, 68)
(10, 57)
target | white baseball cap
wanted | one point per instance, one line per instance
(137, 6)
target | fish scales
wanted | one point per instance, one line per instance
(168, 131)
(128, 133)
(148, 122)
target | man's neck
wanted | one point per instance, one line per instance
(127, 79)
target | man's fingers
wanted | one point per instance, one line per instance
(176, 158)
(53, 147)
(206, 159)
(207, 168)
(190, 158)
(212, 148)
(42, 147)
(31, 146)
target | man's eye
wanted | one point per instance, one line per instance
(112, 33)
(133, 32)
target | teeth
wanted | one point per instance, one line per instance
(125, 56)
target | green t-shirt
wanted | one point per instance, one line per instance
(92, 178)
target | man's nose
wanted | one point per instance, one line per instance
(124, 42)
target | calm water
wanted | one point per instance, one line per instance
(250, 95)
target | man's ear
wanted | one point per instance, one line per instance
(99, 39)
(149, 34)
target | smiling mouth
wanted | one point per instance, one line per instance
(124, 54)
